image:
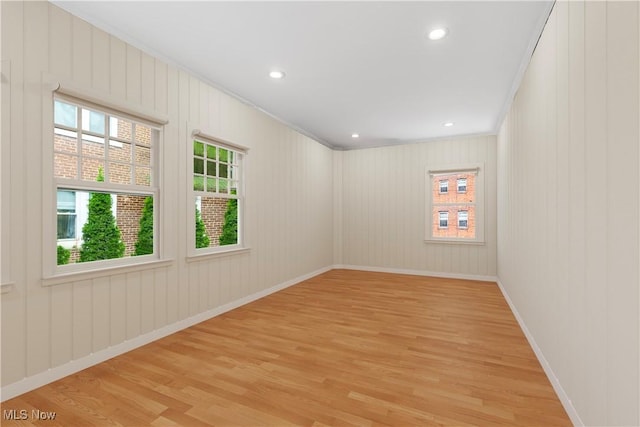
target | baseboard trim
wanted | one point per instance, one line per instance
(38, 380)
(555, 383)
(418, 272)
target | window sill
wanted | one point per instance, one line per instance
(103, 271)
(217, 254)
(456, 242)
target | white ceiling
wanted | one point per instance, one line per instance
(364, 67)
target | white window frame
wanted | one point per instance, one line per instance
(445, 186)
(442, 214)
(466, 213)
(208, 138)
(53, 273)
(458, 185)
(432, 176)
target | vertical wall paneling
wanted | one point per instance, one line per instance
(596, 143)
(133, 303)
(100, 78)
(577, 198)
(133, 77)
(81, 53)
(623, 214)
(100, 312)
(569, 204)
(82, 319)
(148, 86)
(13, 365)
(61, 324)
(118, 309)
(393, 236)
(147, 301)
(38, 301)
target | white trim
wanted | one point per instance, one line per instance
(555, 383)
(217, 254)
(106, 267)
(31, 383)
(103, 100)
(209, 137)
(441, 274)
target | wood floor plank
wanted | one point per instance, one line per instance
(345, 348)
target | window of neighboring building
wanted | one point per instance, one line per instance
(462, 185)
(66, 201)
(464, 206)
(105, 177)
(443, 219)
(463, 219)
(218, 197)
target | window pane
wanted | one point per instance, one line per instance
(65, 166)
(108, 226)
(120, 151)
(223, 185)
(66, 226)
(92, 149)
(216, 222)
(223, 170)
(198, 166)
(120, 173)
(198, 148)
(65, 114)
(211, 168)
(92, 121)
(143, 134)
(143, 155)
(66, 201)
(211, 185)
(223, 155)
(90, 168)
(120, 128)
(65, 143)
(143, 176)
(198, 183)
(460, 221)
(211, 152)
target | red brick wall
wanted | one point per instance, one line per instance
(452, 196)
(213, 210)
(129, 210)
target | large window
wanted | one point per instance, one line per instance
(105, 177)
(217, 187)
(455, 216)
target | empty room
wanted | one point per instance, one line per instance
(320, 213)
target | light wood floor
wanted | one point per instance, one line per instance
(344, 348)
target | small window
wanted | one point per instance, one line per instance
(217, 195)
(462, 185)
(444, 219)
(464, 206)
(463, 219)
(66, 214)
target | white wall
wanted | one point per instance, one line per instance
(568, 206)
(383, 208)
(289, 205)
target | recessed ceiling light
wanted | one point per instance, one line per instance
(355, 135)
(438, 33)
(448, 124)
(277, 74)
